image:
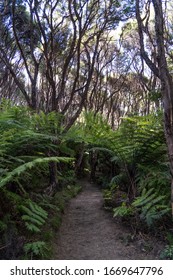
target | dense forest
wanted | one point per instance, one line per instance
(86, 90)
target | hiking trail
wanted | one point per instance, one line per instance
(89, 232)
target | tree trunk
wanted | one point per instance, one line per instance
(162, 72)
(79, 166)
(53, 174)
(53, 181)
(168, 126)
(166, 84)
(93, 165)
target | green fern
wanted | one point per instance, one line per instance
(32, 228)
(151, 206)
(123, 210)
(47, 202)
(34, 216)
(36, 249)
(167, 253)
(145, 197)
(10, 176)
(37, 220)
(38, 210)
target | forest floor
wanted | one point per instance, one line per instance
(88, 232)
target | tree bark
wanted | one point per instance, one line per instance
(93, 164)
(166, 84)
(79, 166)
(164, 75)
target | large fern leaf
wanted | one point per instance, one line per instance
(10, 176)
(34, 216)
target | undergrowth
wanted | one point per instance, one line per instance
(39, 164)
(133, 167)
(35, 181)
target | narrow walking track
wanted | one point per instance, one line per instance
(89, 232)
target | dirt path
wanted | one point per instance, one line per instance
(89, 232)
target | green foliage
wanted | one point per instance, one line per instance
(108, 192)
(47, 202)
(139, 141)
(155, 95)
(49, 123)
(17, 172)
(29, 143)
(167, 253)
(137, 154)
(119, 179)
(92, 129)
(34, 216)
(154, 176)
(123, 210)
(56, 222)
(151, 206)
(65, 194)
(67, 177)
(36, 249)
(131, 161)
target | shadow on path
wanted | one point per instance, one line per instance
(88, 232)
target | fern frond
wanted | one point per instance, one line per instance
(143, 200)
(10, 176)
(34, 216)
(154, 215)
(31, 227)
(151, 206)
(34, 220)
(37, 248)
(38, 210)
(25, 210)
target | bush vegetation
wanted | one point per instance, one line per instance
(30, 201)
(39, 165)
(133, 168)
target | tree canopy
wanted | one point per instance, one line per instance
(86, 89)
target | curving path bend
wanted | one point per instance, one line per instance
(88, 232)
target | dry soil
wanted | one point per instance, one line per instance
(88, 232)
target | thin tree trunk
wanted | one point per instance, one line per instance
(93, 165)
(79, 168)
(166, 85)
(162, 72)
